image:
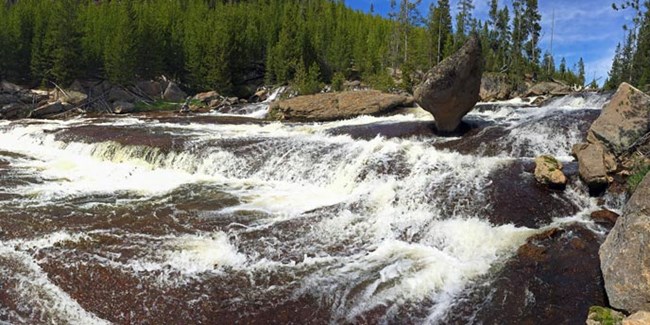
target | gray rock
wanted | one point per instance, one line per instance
(451, 89)
(625, 254)
(623, 120)
(14, 110)
(117, 94)
(6, 98)
(9, 87)
(152, 89)
(173, 93)
(48, 109)
(123, 107)
(495, 86)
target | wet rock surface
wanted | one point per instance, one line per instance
(517, 198)
(553, 279)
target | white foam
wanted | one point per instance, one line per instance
(35, 289)
(192, 255)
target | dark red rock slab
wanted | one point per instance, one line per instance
(516, 198)
(149, 137)
(605, 218)
(554, 279)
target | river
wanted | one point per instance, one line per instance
(220, 219)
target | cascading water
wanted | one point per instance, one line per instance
(129, 220)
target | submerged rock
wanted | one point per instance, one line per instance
(548, 171)
(451, 89)
(623, 121)
(625, 255)
(335, 106)
(553, 279)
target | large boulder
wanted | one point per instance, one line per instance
(495, 86)
(625, 254)
(593, 165)
(173, 93)
(623, 121)
(335, 106)
(451, 89)
(548, 171)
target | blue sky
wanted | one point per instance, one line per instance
(583, 28)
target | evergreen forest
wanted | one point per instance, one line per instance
(632, 60)
(224, 44)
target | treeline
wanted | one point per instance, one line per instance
(631, 63)
(227, 44)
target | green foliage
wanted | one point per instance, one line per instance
(381, 81)
(306, 81)
(337, 81)
(639, 172)
(223, 45)
(605, 316)
(631, 62)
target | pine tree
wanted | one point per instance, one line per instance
(463, 21)
(119, 51)
(581, 72)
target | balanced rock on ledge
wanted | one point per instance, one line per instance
(451, 89)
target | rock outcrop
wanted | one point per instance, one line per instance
(621, 124)
(624, 120)
(548, 171)
(451, 89)
(625, 254)
(495, 86)
(547, 88)
(335, 106)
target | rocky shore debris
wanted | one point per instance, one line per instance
(450, 90)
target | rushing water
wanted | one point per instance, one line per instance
(213, 219)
